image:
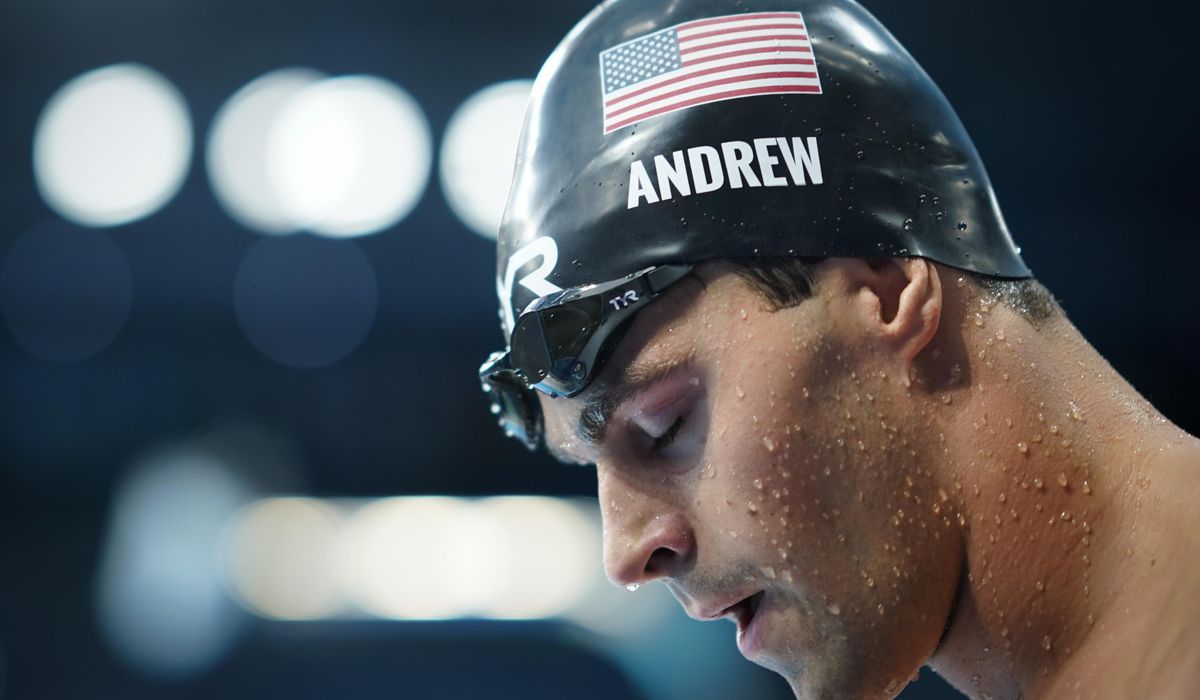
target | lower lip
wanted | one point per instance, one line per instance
(750, 638)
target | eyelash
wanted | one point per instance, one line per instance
(663, 441)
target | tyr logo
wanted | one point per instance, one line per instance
(624, 300)
(535, 281)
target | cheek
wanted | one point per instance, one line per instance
(831, 493)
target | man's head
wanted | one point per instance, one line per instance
(744, 186)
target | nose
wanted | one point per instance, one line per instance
(645, 537)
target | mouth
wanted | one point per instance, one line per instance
(744, 613)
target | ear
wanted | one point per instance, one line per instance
(899, 300)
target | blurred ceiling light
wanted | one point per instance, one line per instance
(160, 599)
(281, 554)
(112, 146)
(237, 149)
(402, 556)
(349, 156)
(416, 558)
(65, 292)
(552, 557)
(480, 151)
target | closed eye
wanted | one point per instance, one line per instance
(663, 441)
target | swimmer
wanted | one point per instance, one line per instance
(752, 269)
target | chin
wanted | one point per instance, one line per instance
(828, 678)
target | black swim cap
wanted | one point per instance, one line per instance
(662, 131)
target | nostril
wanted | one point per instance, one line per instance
(660, 562)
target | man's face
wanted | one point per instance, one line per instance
(762, 465)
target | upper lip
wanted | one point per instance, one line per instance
(723, 607)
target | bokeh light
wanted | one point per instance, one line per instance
(237, 149)
(414, 558)
(402, 558)
(112, 146)
(479, 152)
(281, 556)
(349, 156)
(65, 292)
(305, 301)
(161, 604)
(551, 559)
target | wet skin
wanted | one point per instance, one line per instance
(865, 483)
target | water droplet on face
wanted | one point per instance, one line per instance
(768, 443)
(740, 394)
(1046, 643)
(1087, 487)
(834, 609)
(1040, 586)
(1024, 449)
(769, 572)
(1062, 480)
(633, 587)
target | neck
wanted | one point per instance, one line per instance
(1064, 478)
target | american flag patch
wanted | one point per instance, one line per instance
(707, 60)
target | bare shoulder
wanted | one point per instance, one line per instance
(1169, 666)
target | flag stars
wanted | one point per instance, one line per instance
(645, 58)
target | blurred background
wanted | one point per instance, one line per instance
(243, 451)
